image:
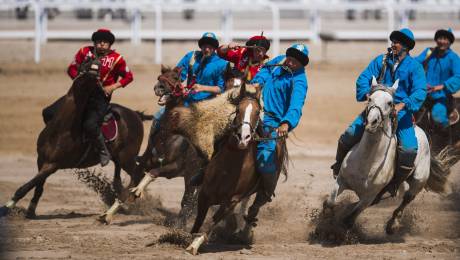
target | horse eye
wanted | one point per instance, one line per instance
(389, 103)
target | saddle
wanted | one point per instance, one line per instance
(109, 127)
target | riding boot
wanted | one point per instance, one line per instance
(403, 170)
(269, 181)
(342, 151)
(102, 149)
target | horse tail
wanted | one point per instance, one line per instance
(144, 116)
(440, 168)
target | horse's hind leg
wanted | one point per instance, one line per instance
(415, 186)
(38, 181)
(117, 185)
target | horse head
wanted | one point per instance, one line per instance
(247, 114)
(380, 105)
(86, 82)
(233, 78)
(168, 85)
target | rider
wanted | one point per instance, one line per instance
(408, 99)
(248, 60)
(442, 68)
(112, 68)
(202, 73)
(284, 90)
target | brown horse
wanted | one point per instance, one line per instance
(62, 145)
(231, 174)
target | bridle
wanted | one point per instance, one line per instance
(392, 115)
(235, 127)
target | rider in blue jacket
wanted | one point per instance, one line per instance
(408, 99)
(202, 72)
(442, 67)
(284, 89)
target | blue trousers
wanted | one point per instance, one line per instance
(439, 112)
(405, 132)
(266, 150)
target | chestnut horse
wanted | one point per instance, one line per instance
(62, 144)
(231, 174)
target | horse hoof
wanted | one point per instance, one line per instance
(391, 228)
(243, 238)
(31, 215)
(192, 250)
(4, 211)
(104, 219)
(136, 192)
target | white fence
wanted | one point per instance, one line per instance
(396, 12)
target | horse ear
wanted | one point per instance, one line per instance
(164, 69)
(243, 90)
(395, 86)
(374, 81)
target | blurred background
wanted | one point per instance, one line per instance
(159, 22)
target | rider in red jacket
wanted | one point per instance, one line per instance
(248, 60)
(113, 73)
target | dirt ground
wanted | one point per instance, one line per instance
(66, 226)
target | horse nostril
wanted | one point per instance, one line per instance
(247, 137)
(374, 121)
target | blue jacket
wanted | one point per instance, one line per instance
(210, 74)
(412, 81)
(443, 70)
(283, 94)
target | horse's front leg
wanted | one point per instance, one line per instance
(167, 171)
(203, 207)
(330, 202)
(350, 219)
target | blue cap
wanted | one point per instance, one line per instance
(405, 36)
(209, 38)
(299, 52)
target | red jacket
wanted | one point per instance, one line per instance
(112, 66)
(240, 57)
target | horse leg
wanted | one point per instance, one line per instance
(37, 181)
(203, 207)
(117, 185)
(330, 202)
(186, 205)
(394, 223)
(350, 219)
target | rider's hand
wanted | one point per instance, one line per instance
(435, 88)
(283, 129)
(399, 107)
(197, 88)
(110, 89)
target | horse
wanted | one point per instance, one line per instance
(370, 164)
(62, 143)
(447, 143)
(231, 174)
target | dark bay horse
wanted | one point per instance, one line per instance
(445, 144)
(231, 174)
(170, 155)
(62, 145)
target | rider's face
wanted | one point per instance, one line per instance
(443, 43)
(207, 49)
(397, 47)
(292, 63)
(102, 46)
(258, 54)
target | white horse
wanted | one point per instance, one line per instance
(370, 164)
